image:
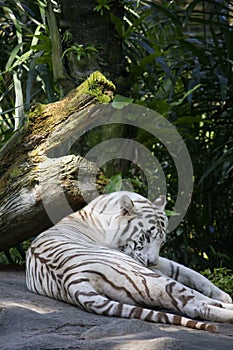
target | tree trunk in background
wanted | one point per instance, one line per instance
(91, 28)
(38, 175)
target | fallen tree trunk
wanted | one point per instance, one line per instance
(37, 176)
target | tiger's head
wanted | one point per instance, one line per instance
(128, 222)
(146, 227)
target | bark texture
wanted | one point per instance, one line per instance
(37, 173)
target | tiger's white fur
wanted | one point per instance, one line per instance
(105, 259)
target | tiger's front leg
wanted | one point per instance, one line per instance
(191, 279)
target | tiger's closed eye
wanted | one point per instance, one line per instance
(147, 236)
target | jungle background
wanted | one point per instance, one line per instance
(174, 57)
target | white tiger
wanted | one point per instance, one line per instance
(105, 259)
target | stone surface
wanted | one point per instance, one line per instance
(34, 322)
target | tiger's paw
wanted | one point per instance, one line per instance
(222, 296)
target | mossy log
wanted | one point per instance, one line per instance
(34, 177)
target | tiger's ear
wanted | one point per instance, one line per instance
(127, 206)
(160, 202)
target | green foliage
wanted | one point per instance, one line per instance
(115, 184)
(102, 5)
(222, 278)
(120, 102)
(25, 62)
(15, 255)
(81, 51)
(131, 183)
(180, 64)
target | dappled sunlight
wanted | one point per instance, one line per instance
(138, 344)
(32, 307)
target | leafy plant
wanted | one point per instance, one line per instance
(180, 64)
(81, 51)
(15, 255)
(221, 277)
(115, 184)
(102, 5)
(25, 62)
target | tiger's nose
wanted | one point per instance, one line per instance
(152, 262)
(149, 263)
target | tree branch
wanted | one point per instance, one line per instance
(39, 181)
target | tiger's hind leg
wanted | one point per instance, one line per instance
(82, 293)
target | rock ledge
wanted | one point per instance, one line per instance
(34, 322)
